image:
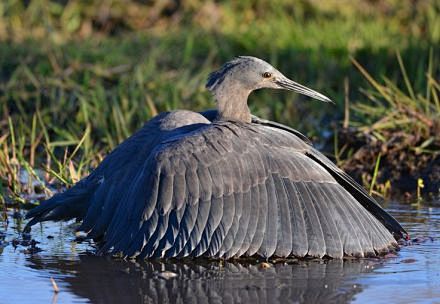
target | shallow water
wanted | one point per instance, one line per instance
(412, 276)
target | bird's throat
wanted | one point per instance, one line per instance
(229, 113)
(233, 106)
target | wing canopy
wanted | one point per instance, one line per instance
(230, 189)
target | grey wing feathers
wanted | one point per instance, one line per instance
(90, 196)
(65, 206)
(359, 193)
(230, 189)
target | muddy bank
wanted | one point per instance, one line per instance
(403, 161)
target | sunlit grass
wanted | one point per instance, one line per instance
(400, 125)
(77, 79)
(394, 109)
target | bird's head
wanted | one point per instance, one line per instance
(246, 73)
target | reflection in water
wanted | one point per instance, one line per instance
(104, 280)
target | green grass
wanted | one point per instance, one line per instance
(404, 109)
(402, 123)
(77, 79)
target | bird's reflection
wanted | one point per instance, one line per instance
(105, 280)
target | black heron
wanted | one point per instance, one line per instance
(224, 183)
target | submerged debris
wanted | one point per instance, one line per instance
(27, 242)
(167, 275)
(54, 285)
(265, 265)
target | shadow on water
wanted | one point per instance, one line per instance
(412, 275)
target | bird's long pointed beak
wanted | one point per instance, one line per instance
(290, 85)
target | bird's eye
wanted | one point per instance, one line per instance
(267, 75)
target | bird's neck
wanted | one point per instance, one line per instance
(232, 104)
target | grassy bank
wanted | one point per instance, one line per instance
(78, 78)
(393, 143)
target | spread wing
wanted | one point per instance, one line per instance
(100, 184)
(92, 197)
(230, 189)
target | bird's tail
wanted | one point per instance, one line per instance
(70, 204)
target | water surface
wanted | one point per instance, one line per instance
(411, 276)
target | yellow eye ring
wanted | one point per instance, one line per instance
(267, 75)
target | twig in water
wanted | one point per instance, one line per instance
(54, 285)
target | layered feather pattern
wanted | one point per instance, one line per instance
(225, 189)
